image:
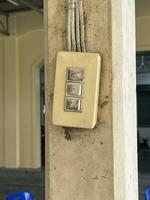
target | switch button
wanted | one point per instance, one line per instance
(74, 89)
(75, 74)
(73, 105)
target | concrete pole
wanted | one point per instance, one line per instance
(100, 163)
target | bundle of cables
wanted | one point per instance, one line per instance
(75, 30)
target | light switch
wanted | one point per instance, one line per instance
(75, 74)
(76, 90)
(73, 105)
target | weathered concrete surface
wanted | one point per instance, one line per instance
(93, 163)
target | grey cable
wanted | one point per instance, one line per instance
(69, 27)
(83, 49)
(73, 28)
(78, 38)
(76, 29)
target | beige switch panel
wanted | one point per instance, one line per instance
(76, 89)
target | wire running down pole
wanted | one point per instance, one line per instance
(75, 29)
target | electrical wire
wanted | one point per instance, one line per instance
(68, 26)
(82, 27)
(75, 26)
(73, 33)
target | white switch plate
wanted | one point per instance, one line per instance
(81, 71)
